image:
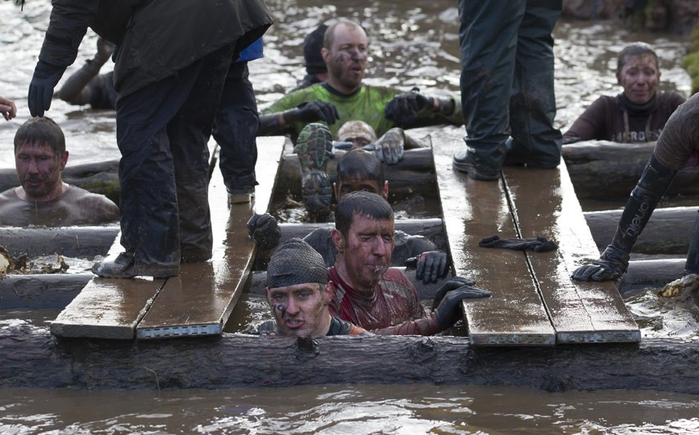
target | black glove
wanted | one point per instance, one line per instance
(265, 230)
(431, 266)
(403, 109)
(313, 112)
(612, 265)
(45, 79)
(539, 244)
(448, 300)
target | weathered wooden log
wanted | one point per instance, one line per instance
(668, 231)
(651, 273)
(99, 177)
(31, 357)
(41, 291)
(414, 174)
(258, 281)
(598, 170)
(78, 242)
(609, 170)
(432, 229)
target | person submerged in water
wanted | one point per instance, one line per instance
(342, 98)
(371, 294)
(42, 197)
(639, 113)
(298, 294)
(361, 170)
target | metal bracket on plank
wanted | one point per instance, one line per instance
(179, 331)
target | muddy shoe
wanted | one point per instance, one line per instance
(124, 266)
(462, 163)
(314, 148)
(240, 196)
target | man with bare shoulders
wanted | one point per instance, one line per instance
(42, 197)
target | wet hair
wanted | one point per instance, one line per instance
(330, 33)
(359, 163)
(41, 131)
(635, 49)
(360, 203)
(312, 45)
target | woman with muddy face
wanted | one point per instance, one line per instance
(639, 113)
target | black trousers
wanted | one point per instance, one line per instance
(162, 133)
(235, 129)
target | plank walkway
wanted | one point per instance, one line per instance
(534, 301)
(200, 299)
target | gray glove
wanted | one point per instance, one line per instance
(313, 112)
(263, 228)
(612, 265)
(390, 147)
(448, 300)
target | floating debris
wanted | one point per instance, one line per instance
(22, 266)
(681, 287)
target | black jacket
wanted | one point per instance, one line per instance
(155, 38)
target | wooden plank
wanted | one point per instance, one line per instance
(108, 308)
(472, 210)
(200, 300)
(545, 204)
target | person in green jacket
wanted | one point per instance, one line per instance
(342, 98)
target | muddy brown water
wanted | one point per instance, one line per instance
(412, 44)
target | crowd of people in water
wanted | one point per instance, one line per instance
(341, 280)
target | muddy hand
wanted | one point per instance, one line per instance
(263, 228)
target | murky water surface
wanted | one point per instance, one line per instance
(368, 409)
(412, 44)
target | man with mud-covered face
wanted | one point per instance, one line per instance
(345, 54)
(298, 294)
(371, 294)
(327, 106)
(42, 197)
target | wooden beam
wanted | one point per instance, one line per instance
(415, 174)
(610, 170)
(41, 291)
(514, 315)
(78, 242)
(196, 302)
(30, 357)
(545, 204)
(56, 291)
(107, 308)
(200, 300)
(432, 229)
(668, 231)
